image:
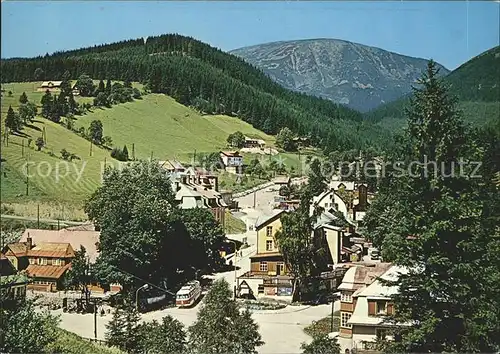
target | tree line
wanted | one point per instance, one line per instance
(210, 80)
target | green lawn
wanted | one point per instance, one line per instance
(324, 325)
(233, 224)
(70, 343)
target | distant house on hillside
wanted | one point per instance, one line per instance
(233, 161)
(55, 86)
(254, 143)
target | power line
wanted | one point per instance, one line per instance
(143, 280)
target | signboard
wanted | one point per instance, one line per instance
(284, 291)
(152, 300)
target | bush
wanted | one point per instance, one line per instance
(120, 154)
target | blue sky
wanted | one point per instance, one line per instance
(449, 32)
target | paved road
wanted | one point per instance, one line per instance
(282, 331)
(48, 221)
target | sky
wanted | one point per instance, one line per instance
(448, 32)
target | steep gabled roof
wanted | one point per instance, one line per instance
(52, 250)
(46, 271)
(265, 219)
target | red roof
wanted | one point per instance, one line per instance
(46, 271)
(52, 250)
(18, 249)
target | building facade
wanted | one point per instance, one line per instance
(268, 275)
(365, 303)
(233, 161)
(45, 262)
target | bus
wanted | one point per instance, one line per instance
(188, 294)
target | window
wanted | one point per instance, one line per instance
(56, 262)
(263, 266)
(381, 307)
(269, 231)
(281, 267)
(260, 289)
(32, 261)
(344, 317)
(44, 261)
(269, 245)
(346, 296)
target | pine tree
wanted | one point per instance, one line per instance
(23, 98)
(100, 88)
(450, 294)
(72, 105)
(108, 87)
(125, 153)
(116, 329)
(65, 84)
(47, 102)
(220, 327)
(12, 121)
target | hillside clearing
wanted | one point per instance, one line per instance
(158, 124)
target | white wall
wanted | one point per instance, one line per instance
(329, 200)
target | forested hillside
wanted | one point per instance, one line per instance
(476, 83)
(212, 81)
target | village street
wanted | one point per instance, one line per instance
(281, 330)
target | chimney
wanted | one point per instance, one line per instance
(29, 241)
(177, 186)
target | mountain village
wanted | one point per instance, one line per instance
(300, 195)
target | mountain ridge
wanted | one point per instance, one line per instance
(359, 76)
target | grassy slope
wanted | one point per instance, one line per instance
(70, 343)
(158, 123)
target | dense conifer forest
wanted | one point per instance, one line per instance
(210, 80)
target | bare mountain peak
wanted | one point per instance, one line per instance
(354, 74)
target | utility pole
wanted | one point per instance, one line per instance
(90, 147)
(331, 325)
(95, 319)
(22, 148)
(38, 216)
(133, 151)
(254, 196)
(300, 163)
(27, 175)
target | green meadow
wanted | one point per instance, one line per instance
(155, 125)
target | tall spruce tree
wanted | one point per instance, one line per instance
(450, 296)
(221, 327)
(13, 121)
(23, 98)
(47, 102)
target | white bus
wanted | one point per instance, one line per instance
(188, 294)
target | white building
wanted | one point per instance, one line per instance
(331, 200)
(365, 303)
(232, 160)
